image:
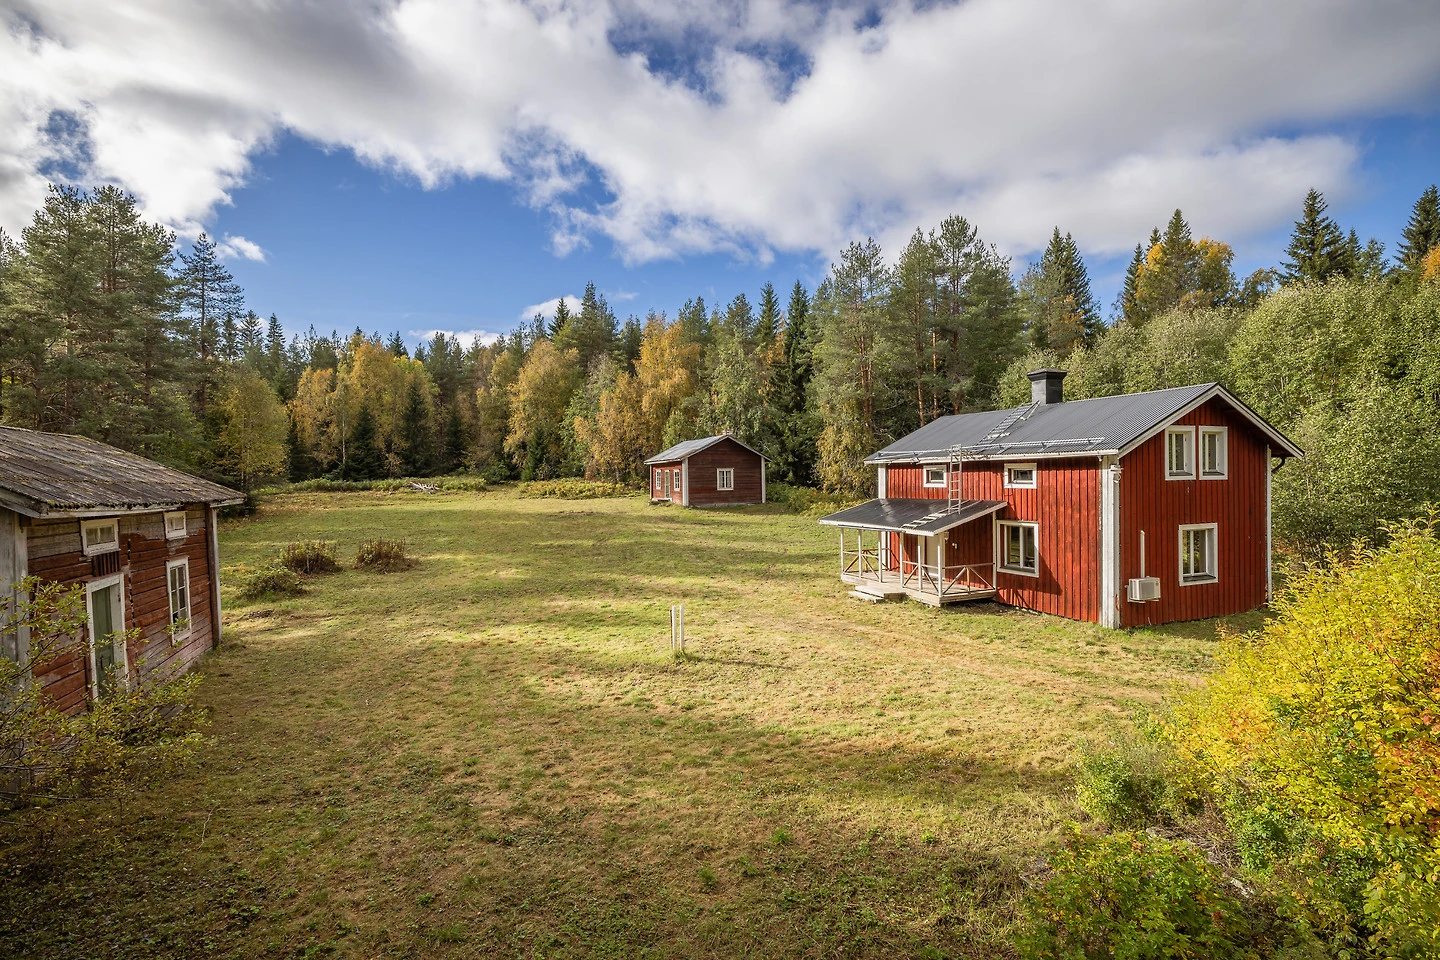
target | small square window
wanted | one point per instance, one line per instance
(99, 536)
(1180, 453)
(934, 476)
(725, 478)
(1198, 546)
(1020, 476)
(1214, 453)
(1019, 548)
(175, 525)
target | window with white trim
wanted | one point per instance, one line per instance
(177, 575)
(1198, 548)
(934, 476)
(1180, 453)
(667, 482)
(1020, 547)
(725, 478)
(1214, 453)
(1020, 476)
(175, 525)
(99, 536)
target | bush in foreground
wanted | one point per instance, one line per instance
(383, 556)
(573, 489)
(310, 557)
(269, 582)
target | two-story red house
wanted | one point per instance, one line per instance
(1138, 509)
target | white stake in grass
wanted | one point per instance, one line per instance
(677, 629)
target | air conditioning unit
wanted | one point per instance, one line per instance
(1143, 589)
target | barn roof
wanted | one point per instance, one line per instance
(1102, 426)
(44, 474)
(688, 448)
(925, 517)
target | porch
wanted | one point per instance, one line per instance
(896, 548)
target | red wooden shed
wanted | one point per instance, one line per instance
(1143, 508)
(715, 471)
(138, 537)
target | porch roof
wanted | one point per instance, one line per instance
(903, 515)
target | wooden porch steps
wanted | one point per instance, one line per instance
(875, 592)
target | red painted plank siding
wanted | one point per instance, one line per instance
(703, 480)
(1158, 506)
(1065, 504)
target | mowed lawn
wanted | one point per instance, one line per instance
(494, 754)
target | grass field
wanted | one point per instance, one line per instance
(493, 754)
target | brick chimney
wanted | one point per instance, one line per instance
(1046, 385)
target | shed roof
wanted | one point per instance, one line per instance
(1104, 425)
(688, 448)
(905, 515)
(45, 474)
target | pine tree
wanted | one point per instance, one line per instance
(694, 320)
(1317, 249)
(591, 332)
(362, 455)
(1422, 233)
(208, 294)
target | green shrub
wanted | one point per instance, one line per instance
(383, 556)
(573, 489)
(460, 483)
(1130, 895)
(806, 500)
(271, 580)
(1130, 782)
(310, 557)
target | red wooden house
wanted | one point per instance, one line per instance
(1137, 509)
(140, 538)
(708, 472)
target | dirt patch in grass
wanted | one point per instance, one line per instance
(494, 754)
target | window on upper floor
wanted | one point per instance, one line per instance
(175, 525)
(99, 536)
(934, 476)
(1214, 455)
(1180, 453)
(1020, 476)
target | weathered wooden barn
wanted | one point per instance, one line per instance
(709, 472)
(1144, 508)
(139, 537)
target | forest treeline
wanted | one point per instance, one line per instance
(108, 329)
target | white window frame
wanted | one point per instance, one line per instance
(925, 476)
(1213, 574)
(1224, 450)
(665, 478)
(95, 549)
(172, 532)
(1022, 484)
(182, 564)
(91, 588)
(1190, 452)
(724, 478)
(1000, 543)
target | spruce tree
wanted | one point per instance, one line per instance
(767, 326)
(415, 442)
(300, 464)
(363, 460)
(560, 321)
(397, 346)
(590, 332)
(1422, 233)
(452, 444)
(208, 294)
(1317, 249)
(1126, 306)
(1061, 308)
(631, 335)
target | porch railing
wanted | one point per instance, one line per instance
(864, 563)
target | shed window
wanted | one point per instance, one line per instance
(175, 525)
(667, 482)
(1019, 548)
(178, 574)
(1214, 454)
(1180, 453)
(934, 476)
(1197, 553)
(1020, 476)
(725, 478)
(99, 536)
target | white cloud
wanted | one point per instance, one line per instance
(1099, 116)
(466, 337)
(236, 247)
(548, 307)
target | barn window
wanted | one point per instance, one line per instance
(934, 476)
(175, 525)
(1020, 476)
(725, 478)
(1019, 548)
(99, 536)
(1180, 453)
(178, 574)
(1197, 553)
(1213, 453)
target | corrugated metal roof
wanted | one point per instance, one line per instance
(1074, 427)
(924, 517)
(688, 448)
(55, 473)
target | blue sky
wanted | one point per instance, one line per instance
(417, 165)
